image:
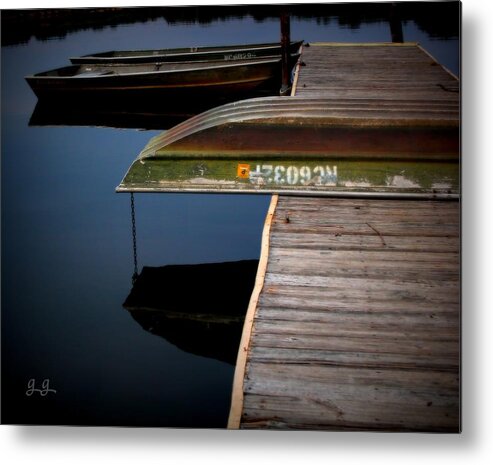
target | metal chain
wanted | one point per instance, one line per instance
(134, 237)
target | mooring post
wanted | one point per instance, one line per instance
(285, 42)
(395, 24)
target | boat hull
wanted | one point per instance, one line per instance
(201, 82)
(229, 53)
(307, 146)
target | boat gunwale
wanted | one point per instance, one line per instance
(235, 64)
(342, 192)
(119, 54)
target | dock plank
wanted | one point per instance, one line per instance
(301, 397)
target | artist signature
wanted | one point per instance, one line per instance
(44, 391)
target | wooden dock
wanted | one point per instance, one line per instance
(354, 322)
(354, 73)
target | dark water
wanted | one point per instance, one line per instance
(67, 258)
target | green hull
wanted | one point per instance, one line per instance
(329, 176)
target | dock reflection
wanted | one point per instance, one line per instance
(198, 308)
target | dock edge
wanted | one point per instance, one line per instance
(236, 409)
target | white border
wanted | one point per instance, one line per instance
(53, 445)
(128, 3)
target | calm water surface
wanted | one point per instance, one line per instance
(67, 258)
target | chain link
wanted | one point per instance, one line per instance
(134, 238)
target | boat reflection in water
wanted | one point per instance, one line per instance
(132, 113)
(136, 116)
(198, 308)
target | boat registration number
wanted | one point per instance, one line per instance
(239, 56)
(314, 175)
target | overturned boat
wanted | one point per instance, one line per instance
(308, 146)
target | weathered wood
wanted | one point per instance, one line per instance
(408, 380)
(361, 242)
(381, 72)
(365, 207)
(354, 359)
(361, 300)
(365, 330)
(346, 303)
(379, 257)
(386, 229)
(354, 216)
(371, 320)
(358, 330)
(288, 278)
(372, 343)
(367, 203)
(395, 399)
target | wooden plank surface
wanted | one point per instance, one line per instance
(357, 327)
(375, 71)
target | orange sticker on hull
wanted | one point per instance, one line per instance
(243, 170)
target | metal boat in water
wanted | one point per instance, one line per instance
(220, 53)
(178, 80)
